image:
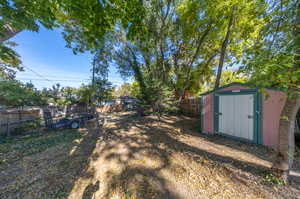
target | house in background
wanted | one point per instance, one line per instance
(127, 100)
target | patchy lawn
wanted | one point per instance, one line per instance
(138, 158)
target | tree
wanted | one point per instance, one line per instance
(15, 17)
(123, 90)
(84, 93)
(274, 61)
(54, 93)
(198, 86)
(9, 61)
(95, 94)
(235, 26)
(103, 90)
(84, 23)
(149, 56)
(135, 90)
(224, 46)
(67, 96)
(178, 46)
(92, 18)
(287, 123)
(62, 96)
(15, 94)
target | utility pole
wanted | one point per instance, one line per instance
(92, 97)
(93, 75)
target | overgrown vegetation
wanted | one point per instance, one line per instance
(19, 147)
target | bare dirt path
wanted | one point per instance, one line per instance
(147, 158)
(143, 158)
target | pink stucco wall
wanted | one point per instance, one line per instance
(208, 110)
(234, 88)
(273, 103)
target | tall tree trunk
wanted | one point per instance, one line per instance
(8, 33)
(286, 146)
(193, 59)
(224, 47)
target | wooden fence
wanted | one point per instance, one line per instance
(191, 107)
(11, 118)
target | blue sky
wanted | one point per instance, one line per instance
(47, 61)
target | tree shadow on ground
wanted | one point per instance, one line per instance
(54, 172)
(192, 127)
(262, 152)
(134, 154)
(90, 190)
(159, 142)
(76, 164)
(134, 179)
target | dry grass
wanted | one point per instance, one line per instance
(137, 158)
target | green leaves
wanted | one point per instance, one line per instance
(9, 62)
(173, 43)
(15, 94)
(126, 89)
(84, 22)
(271, 60)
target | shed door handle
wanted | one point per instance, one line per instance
(250, 116)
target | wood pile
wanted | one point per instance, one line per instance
(110, 108)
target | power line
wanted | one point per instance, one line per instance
(64, 80)
(45, 78)
(53, 80)
(50, 76)
(36, 73)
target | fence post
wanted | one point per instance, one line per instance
(1, 125)
(20, 114)
(7, 127)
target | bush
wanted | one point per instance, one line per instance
(27, 127)
(273, 178)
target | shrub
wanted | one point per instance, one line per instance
(273, 178)
(27, 127)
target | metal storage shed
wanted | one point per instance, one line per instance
(241, 112)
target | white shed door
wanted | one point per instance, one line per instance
(236, 115)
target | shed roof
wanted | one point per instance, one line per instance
(236, 84)
(225, 86)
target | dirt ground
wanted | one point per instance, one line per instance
(138, 158)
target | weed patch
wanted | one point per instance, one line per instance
(14, 149)
(273, 178)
